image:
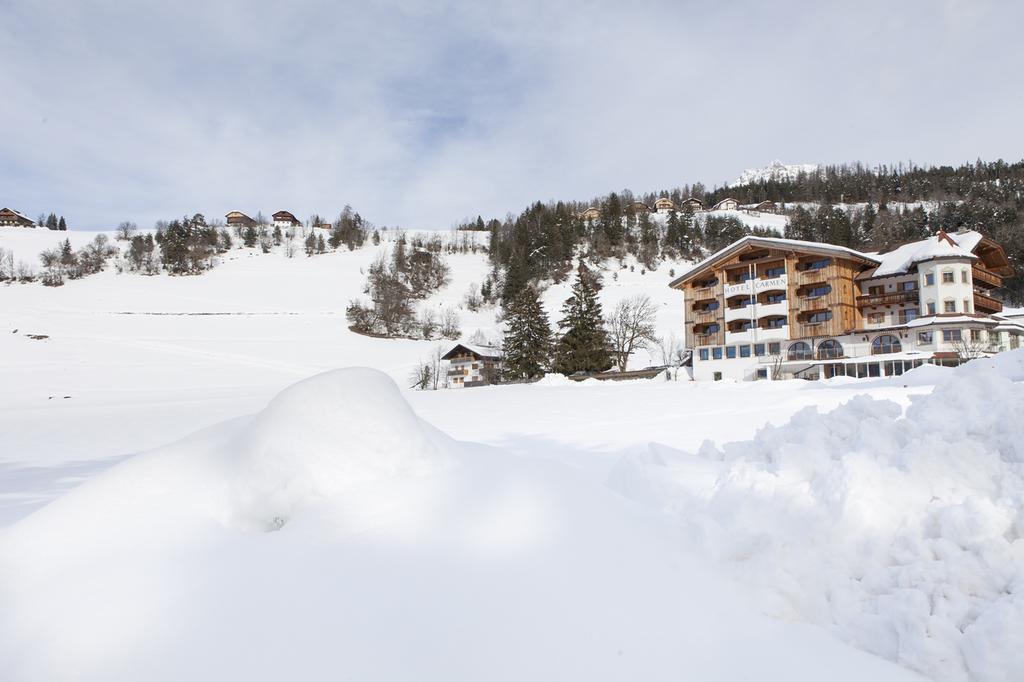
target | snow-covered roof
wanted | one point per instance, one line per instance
(941, 245)
(481, 351)
(19, 214)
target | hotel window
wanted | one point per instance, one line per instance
(931, 308)
(775, 323)
(951, 335)
(976, 336)
(886, 343)
(818, 264)
(908, 286)
(818, 318)
(876, 318)
(799, 351)
(967, 306)
(908, 315)
(774, 348)
(929, 279)
(948, 277)
(963, 276)
(716, 353)
(744, 351)
(713, 329)
(949, 306)
(876, 290)
(817, 292)
(924, 338)
(830, 349)
(704, 354)
(709, 307)
(1014, 341)
(730, 352)
(775, 298)
(758, 349)
(775, 272)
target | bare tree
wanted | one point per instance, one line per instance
(970, 349)
(450, 326)
(631, 327)
(126, 230)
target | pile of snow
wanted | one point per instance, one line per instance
(903, 535)
(775, 171)
(899, 260)
(336, 535)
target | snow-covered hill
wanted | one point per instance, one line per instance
(776, 171)
(382, 533)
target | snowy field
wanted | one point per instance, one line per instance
(191, 487)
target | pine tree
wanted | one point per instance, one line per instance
(583, 346)
(51, 222)
(61, 225)
(527, 344)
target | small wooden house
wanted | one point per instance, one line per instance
(239, 219)
(325, 226)
(765, 207)
(11, 218)
(693, 204)
(664, 205)
(591, 213)
(470, 366)
(639, 207)
(727, 204)
(285, 219)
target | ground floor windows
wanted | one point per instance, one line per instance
(716, 353)
(730, 352)
(704, 354)
(925, 338)
(799, 351)
(774, 348)
(744, 351)
(759, 349)
(862, 370)
(830, 349)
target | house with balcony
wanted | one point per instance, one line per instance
(285, 219)
(770, 308)
(11, 218)
(470, 365)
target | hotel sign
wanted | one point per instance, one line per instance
(753, 286)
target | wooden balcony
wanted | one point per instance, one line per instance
(986, 304)
(894, 298)
(820, 275)
(709, 339)
(985, 278)
(703, 317)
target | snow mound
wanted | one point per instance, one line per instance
(324, 436)
(902, 534)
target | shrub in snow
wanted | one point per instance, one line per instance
(902, 534)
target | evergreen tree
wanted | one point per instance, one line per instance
(527, 344)
(51, 222)
(61, 225)
(583, 345)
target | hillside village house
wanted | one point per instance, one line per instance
(11, 218)
(639, 207)
(591, 213)
(239, 219)
(728, 204)
(763, 207)
(664, 205)
(284, 219)
(693, 204)
(470, 366)
(765, 308)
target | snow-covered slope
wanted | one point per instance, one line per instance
(335, 535)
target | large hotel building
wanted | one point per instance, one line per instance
(766, 308)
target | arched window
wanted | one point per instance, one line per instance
(830, 349)
(799, 351)
(886, 343)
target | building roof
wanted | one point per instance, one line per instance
(719, 203)
(940, 245)
(236, 214)
(774, 243)
(284, 215)
(480, 352)
(664, 200)
(19, 214)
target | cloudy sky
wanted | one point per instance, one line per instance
(421, 113)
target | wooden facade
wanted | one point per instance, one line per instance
(239, 219)
(639, 207)
(590, 214)
(11, 218)
(470, 366)
(728, 204)
(664, 205)
(693, 204)
(818, 286)
(286, 219)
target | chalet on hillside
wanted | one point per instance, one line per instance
(693, 204)
(325, 226)
(590, 214)
(766, 207)
(664, 205)
(286, 219)
(470, 366)
(727, 204)
(239, 219)
(639, 207)
(11, 218)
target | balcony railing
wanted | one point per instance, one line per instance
(704, 316)
(986, 278)
(987, 303)
(892, 298)
(818, 275)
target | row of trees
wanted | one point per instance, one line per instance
(586, 342)
(51, 222)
